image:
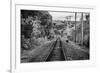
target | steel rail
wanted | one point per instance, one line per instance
(51, 49)
(63, 49)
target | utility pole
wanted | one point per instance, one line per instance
(70, 20)
(75, 25)
(82, 27)
(66, 22)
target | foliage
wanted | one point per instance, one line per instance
(34, 24)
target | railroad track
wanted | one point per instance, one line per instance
(56, 53)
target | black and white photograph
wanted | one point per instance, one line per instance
(51, 36)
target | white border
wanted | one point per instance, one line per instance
(15, 59)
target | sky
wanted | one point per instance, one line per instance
(62, 15)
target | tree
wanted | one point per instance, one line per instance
(29, 16)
